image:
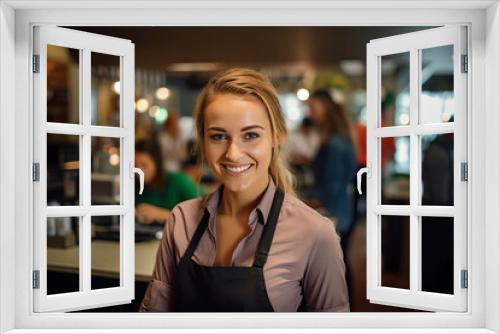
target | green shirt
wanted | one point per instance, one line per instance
(178, 188)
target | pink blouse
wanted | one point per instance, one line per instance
(305, 259)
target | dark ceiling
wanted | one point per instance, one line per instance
(160, 47)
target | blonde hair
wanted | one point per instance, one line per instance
(247, 82)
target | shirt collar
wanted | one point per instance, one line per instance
(261, 211)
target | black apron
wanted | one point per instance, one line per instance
(226, 289)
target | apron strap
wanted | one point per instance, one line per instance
(268, 233)
(196, 236)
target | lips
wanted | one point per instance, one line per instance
(237, 169)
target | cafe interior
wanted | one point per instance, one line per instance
(172, 64)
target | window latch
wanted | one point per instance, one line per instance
(363, 170)
(134, 170)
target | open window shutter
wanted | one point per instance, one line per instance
(85, 130)
(431, 233)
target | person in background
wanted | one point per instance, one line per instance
(334, 165)
(335, 162)
(172, 143)
(251, 245)
(162, 190)
(300, 150)
(303, 143)
(192, 166)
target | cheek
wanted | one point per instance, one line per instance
(148, 173)
(213, 153)
(261, 153)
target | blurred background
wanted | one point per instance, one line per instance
(172, 64)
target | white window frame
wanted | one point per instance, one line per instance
(413, 44)
(86, 44)
(16, 21)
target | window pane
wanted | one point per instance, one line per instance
(63, 264)
(395, 251)
(436, 100)
(105, 89)
(63, 170)
(395, 170)
(63, 88)
(437, 169)
(105, 171)
(105, 252)
(437, 254)
(395, 94)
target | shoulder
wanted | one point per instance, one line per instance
(303, 219)
(175, 176)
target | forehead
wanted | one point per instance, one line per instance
(233, 111)
(143, 155)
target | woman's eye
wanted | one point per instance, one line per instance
(218, 136)
(251, 135)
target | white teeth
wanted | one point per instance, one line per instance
(238, 169)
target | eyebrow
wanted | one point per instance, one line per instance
(246, 128)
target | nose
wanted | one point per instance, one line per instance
(233, 152)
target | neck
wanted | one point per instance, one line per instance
(240, 204)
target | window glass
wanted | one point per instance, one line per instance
(63, 254)
(437, 254)
(437, 169)
(106, 89)
(63, 170)
(395, 90)
(395, 170)
(395, 251)
(105, 171)
(437, 96)
(106, 236)
(63, 84)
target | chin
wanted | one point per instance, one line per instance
(237, 186)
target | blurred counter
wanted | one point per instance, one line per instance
(105, 259)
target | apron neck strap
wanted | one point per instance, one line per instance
(268, 233)
(197, 236)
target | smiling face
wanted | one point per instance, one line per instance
(238, 142)
(317, 110)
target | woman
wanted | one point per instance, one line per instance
(162, 190)
(251, 245)
(335, 162)
(173, 145)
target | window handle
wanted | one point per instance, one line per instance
(134, 170)
(359, 174)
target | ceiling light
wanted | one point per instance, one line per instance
(352, 67)
(162, 93)
(302, 94)
(153, 110)
(142, 105)
(116, 87)
(161, 115)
